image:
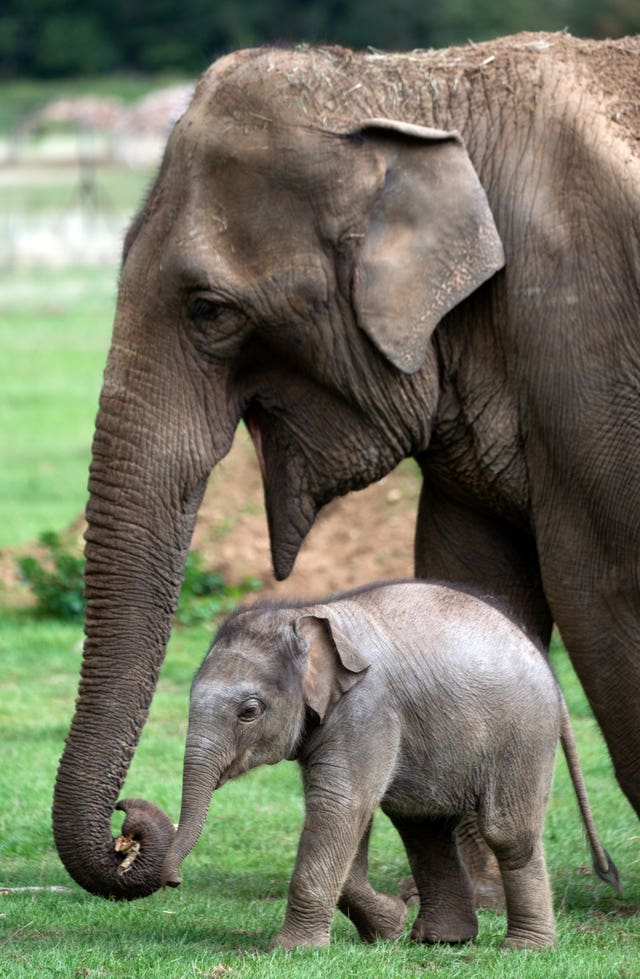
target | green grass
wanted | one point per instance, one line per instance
(116, 190)
(55, 327)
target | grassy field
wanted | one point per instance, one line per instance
(54, 330)
(55, 326)
(115, 191)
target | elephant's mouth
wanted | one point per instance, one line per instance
(312, 449)
(237, 767)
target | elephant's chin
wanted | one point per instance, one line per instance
(287, 531)
(291, 510)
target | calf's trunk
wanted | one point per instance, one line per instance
(201, 775)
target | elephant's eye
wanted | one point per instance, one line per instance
(205, 311)
(217, 326)
(250, 711)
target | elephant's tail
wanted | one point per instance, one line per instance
(603, 865)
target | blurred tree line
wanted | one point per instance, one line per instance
(58, 38)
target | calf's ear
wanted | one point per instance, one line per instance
(334, 663)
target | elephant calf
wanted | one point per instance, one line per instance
(417, 697)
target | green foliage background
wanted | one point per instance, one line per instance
(60, 38)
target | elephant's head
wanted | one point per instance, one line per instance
(251, 701)
(287, 269)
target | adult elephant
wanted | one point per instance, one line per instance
(321, 256)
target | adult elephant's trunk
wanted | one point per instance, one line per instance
(202, 773)
(152, 453)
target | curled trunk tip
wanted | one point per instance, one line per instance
(145, 838)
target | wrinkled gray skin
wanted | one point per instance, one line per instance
(324, 258)
(420, 698)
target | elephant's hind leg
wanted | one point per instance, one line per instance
(456, 543)
(446, 895)
(530, 922)
(480, 863)
(513, 830)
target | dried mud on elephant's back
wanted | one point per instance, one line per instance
(356, 539)
(616, 65)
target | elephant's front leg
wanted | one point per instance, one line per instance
(457, 543)
(375, 915)
(335, 821)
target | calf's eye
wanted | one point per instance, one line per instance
(250, 711)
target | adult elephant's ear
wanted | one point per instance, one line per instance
(429, 238)
(334, 662)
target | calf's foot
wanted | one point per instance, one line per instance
(523, 940)
(376, 916)
(447, 928)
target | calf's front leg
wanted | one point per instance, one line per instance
(375, 915)
(335, 822)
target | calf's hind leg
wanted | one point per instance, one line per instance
(520, 856)
(447, 911)
(530, 922)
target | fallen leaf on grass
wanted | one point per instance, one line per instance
(217, 973)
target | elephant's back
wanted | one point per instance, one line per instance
(438, 632)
